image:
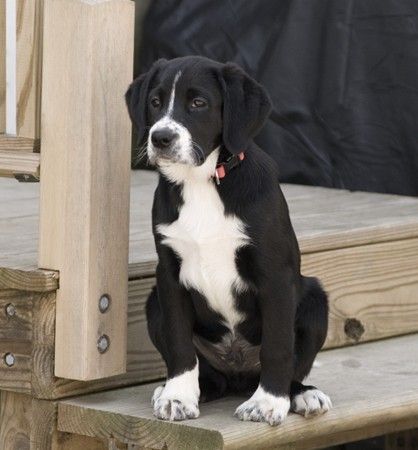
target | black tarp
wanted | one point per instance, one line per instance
(342, 74)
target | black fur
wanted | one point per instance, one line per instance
(286, 313)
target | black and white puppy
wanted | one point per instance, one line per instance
(230, 311)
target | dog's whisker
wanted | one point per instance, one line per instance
(199, 149)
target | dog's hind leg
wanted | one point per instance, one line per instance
(213, 384)
(310, 332)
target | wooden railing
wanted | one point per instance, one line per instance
(64, 68)
(20, 85)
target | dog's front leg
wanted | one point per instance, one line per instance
(178, 399)
(270, 402)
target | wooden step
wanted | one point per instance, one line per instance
(373, 388)
(363, 246)
(19, 158)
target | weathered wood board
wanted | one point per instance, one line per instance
(351, 219)
(29, 424)
(373, 288)
(28, 67)
(372, 394)
(13, 164)
(2, 67)
(85, 173)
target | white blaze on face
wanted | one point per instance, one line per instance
(182, 150)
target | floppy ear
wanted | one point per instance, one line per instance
(245, 110)
(137, 99)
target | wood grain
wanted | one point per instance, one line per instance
(373, 290)
(18, 144)
(28, 71)
(16, 339)
(144, 362)
(85, 160)
(2, 67)
(322, 218)
(373, 294)
(13, 164)
(28, 280)
(372, 395)
(15, 420)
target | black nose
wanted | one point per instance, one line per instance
(163, 137)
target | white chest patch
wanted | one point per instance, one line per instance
(207, 241)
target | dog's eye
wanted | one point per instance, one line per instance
(155, 102)
(198, 103)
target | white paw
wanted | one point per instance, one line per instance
(311, 403)
(179, 398)
(264, 407)
(168, 407)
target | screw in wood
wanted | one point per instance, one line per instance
(10, 309)
(103, 343)
(104, 303)
(9, 359)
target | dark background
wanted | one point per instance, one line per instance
(342, 74)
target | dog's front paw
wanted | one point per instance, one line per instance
(311, 402)
(264, 407)
(173, 407)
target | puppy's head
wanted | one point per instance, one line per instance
(186, 107)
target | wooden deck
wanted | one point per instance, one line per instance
(363, 246)
(352, 219)
(373, 388)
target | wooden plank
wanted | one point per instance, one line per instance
(2, 67)
(382, 218)
(16, 341)
(30, 424)
(16, 164)
(144, 362)
(373, 290)
(15, 420)
(372, 395)
(18, 144)
(373, 294)
(28, 70)
(85, 159)
(28, 280)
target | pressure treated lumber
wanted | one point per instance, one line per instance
(371, 392)
(85, 171)
(19, 164)
(30, 424)
(28, 67)
(323, 219)
(2, 67)
(373, 294)
(18, 144)
(373, 288)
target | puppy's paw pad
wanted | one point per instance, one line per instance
(268, 408)
(312, 402)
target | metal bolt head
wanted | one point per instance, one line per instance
(10, 309)
(103, 343)
(9, 359)
(104, 303)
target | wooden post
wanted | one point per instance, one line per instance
(2, 66)
(28, 67)
(85, 179)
